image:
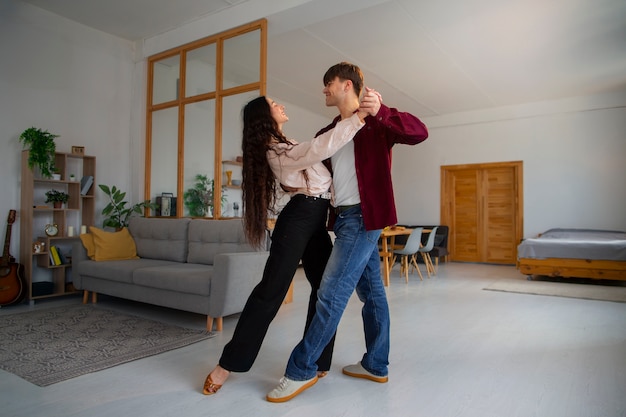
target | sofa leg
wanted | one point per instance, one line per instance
(85, 296)
(94, 297)
(218, 323)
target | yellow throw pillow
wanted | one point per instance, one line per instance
(111, 246)
(87, 239)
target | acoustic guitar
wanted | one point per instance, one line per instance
(12, 284)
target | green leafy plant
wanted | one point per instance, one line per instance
(57, 196)
(199, 198)
(41, 149)
(118, 212)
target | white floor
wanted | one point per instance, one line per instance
(456, 351)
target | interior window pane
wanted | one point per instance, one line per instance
(164, 160)
(231, 148)
(166, 80)
(200, 71)
(242, 59)
(199, 150)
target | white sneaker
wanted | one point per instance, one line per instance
(287, 389)
(357, 371)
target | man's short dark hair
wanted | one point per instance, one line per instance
(346, 71)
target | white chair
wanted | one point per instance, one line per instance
(424, 251)
(407, 253)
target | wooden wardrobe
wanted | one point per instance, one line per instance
(483, 205)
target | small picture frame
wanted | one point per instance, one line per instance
(78, 150)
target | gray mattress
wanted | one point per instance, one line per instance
(576, 244)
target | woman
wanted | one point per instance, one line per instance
(300, 231)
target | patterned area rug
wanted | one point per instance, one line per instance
(52, 345)
(590, 289)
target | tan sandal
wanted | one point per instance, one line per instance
(210, 388)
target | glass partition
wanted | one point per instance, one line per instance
(196, 93)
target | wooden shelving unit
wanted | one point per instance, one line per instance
(35, 214)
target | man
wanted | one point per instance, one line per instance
(364, 205)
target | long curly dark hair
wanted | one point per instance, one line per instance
(258, 181)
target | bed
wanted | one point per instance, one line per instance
(580, 253)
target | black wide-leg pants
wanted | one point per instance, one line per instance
(299, 234)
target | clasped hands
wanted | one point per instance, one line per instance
(370, 103)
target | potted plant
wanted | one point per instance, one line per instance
(199, 198)
(117, 211)
(41, 149)
(57, 198)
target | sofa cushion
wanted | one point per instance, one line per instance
(111, 245)
(185, 278)
(208, 238)
(160, 238)
(119, 271)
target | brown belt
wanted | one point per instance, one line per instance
(341, 209)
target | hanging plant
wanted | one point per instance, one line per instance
(41, 149)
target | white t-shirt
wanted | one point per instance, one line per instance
(345, 184)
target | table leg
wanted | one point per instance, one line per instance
(385, 254)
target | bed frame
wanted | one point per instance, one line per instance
(580, 268)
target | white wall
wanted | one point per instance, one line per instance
(70, 80)
(573, 152)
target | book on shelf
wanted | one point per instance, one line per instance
(61, 256)
(85, 184)
(55, 255)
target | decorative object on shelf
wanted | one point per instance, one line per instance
(116, 212)
(166, 205)
(85, 184)
(236, 183)
(41, 149)
(56, 176)
(72, 177)
(52, 230)
(229, 177)
(57, 197)
(239, 158)
(70, 231)
(199, 198)
(39, 246)
(78, 150)
(236, 209)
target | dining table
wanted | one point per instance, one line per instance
(387, 237)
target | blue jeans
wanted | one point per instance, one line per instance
(353, 264)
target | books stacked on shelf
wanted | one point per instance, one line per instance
(56, 256)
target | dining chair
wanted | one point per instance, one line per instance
(407, 253)
(424, 251)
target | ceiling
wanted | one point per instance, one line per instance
(428, 57)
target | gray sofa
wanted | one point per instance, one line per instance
(197, 265)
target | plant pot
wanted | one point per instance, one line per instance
(56, 177)
(57, 204)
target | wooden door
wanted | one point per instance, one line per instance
(482, 204)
